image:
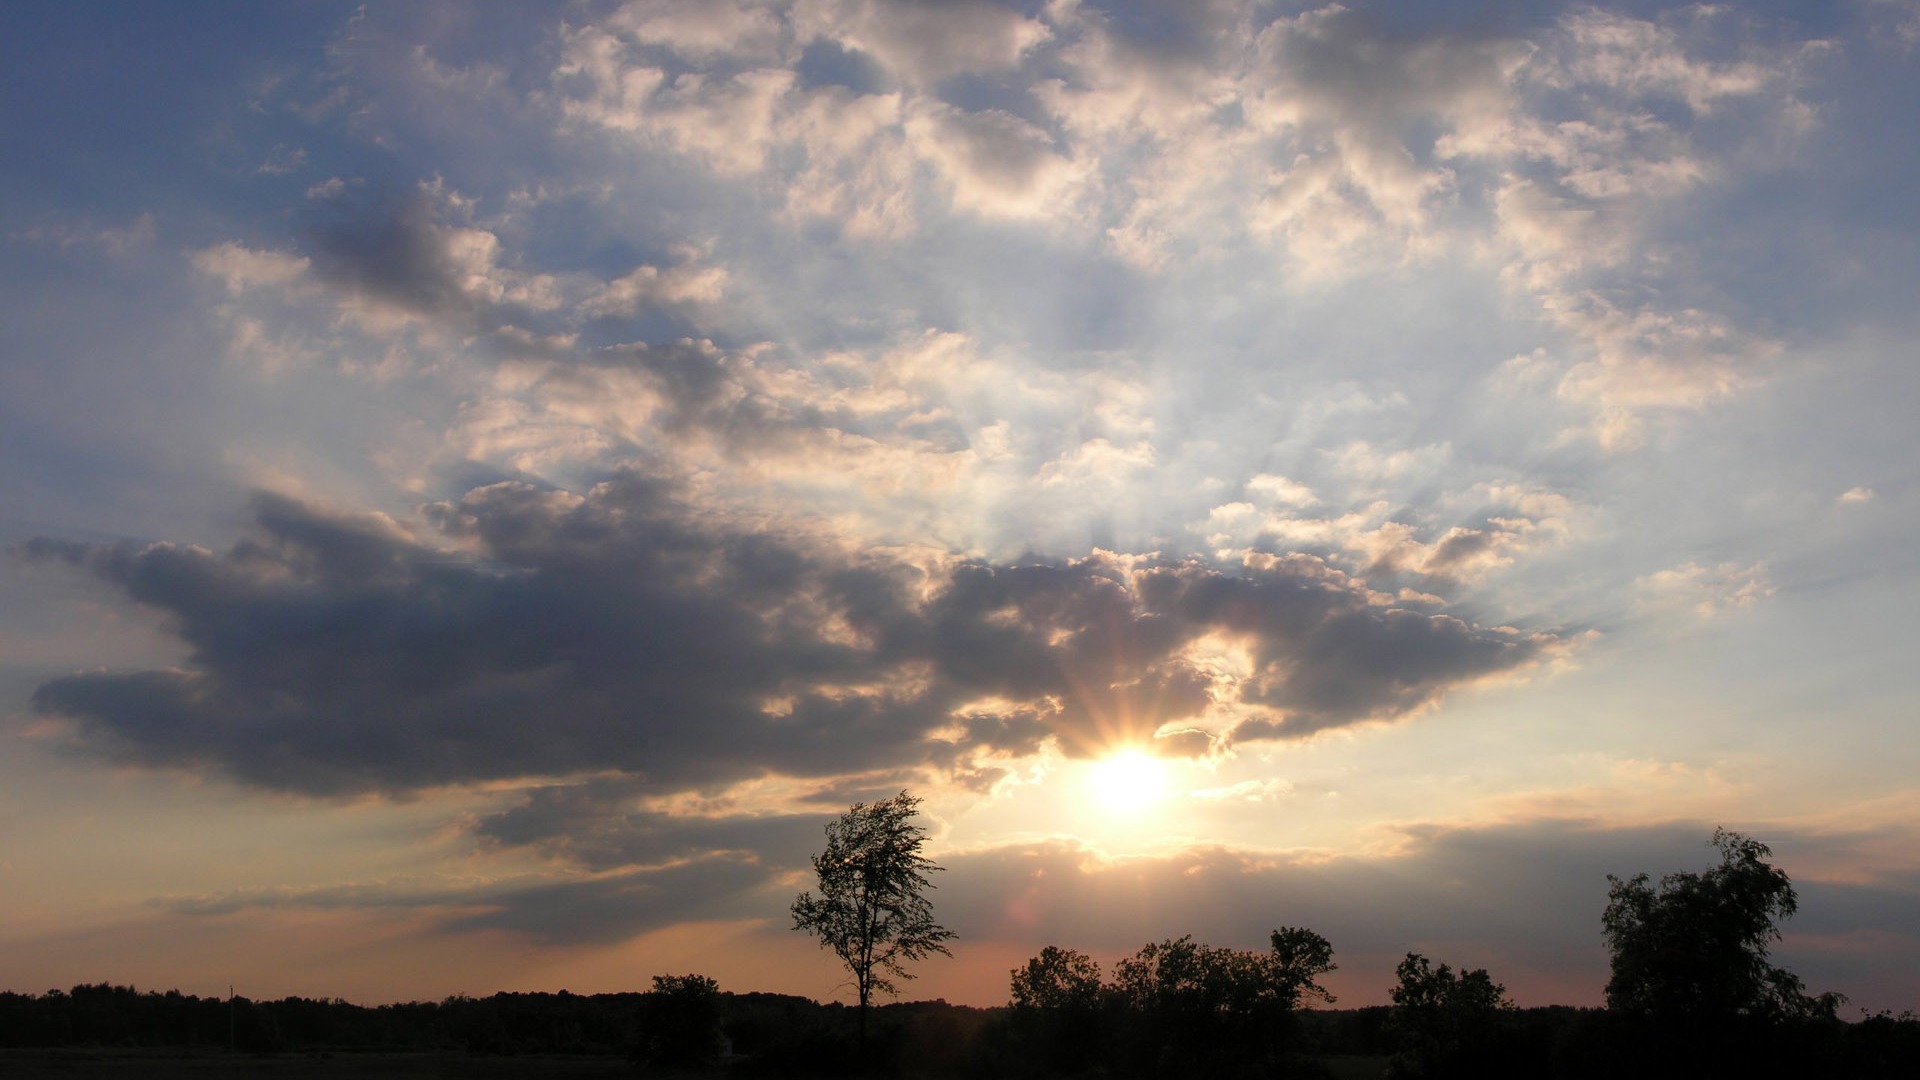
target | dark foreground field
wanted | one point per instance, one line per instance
(159, 1064)
(162, 1064)
(111, 1031)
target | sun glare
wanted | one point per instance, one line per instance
(1128, 782)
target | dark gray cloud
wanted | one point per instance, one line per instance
(422, 254)
(330, 655)
(562, 909)
(1325, 656)
(612, 908)
(397, 251)
(702, 389)
(596, 825)
(628, 630)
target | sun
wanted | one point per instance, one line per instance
(1127, 782)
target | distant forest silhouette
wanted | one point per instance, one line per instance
(1692, 994)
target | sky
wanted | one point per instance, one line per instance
(483, 484)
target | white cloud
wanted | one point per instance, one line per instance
(687, 283)
(728, 121)
(836, 154)
(1575, 210)
(1343, 98)
(1096, 464)
(331, 188)
(1639, 57)
(243, 269)
(725, 120)
(1709, 589)
(858, 169)
(1146, 124)
(705, 30)
(284, 159)
(922, 43)
(1493, 527)
(117, 241)
(1281, 490)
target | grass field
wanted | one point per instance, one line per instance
(1356, 1068)
(99, 1064)
(209, 1065)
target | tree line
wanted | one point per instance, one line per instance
(1692, 993)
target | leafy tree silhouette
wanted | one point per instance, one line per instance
(1696, 946)
(679, 1022)
(1058, 1009)
(873, 910)
(1445, 1024)
(1057, 979)
(1198, 1008)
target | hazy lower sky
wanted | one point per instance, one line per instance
(484, 483)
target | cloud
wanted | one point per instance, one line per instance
(921, 41)
(1282, 490)
(1497, 523)
(996, 163)
(704, 30)
(545, 633)
(849, 156)
(416, 281)
(1649, 59)
(859, 170)
(552, 909)
(1709, 589)
(648, 286)
(408, 258)
(687, 402)
(1345, 98)
(332, 187)
(1096, 462)
(1580, 203)
(283, 160)
(954, 450)
(1521, 898)
(612, 908)
(604, 824)
(1896, 22)
(243, 269)
(116, 241)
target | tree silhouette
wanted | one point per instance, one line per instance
(1298, 958)
(1696, 946)
(873, 910)
(1058, 1016)
(1057, 979)
(679, 1022)
(1197, 1006)
(1443, 1023)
